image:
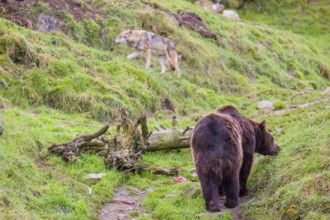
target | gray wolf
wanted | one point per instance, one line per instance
(150, 43)
(222, 145)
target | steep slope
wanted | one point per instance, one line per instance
(302, 17)
(54, 85)
(54, 70)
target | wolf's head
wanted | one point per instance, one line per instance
(122, 37)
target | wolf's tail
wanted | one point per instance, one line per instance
(172, 57)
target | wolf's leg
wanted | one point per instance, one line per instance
(148, 58)
(173, 58)
(133, 55)
(161, 60)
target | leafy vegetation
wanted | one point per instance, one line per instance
(55, 86)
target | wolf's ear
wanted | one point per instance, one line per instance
(263, 124)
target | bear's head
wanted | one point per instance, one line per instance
(267, 145)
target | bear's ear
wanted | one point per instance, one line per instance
(263, 124)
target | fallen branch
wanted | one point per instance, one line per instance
(123, 150)
(70, 150)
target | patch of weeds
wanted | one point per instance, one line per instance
(37, 8)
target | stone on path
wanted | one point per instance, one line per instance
(327, 91)
(266, 105)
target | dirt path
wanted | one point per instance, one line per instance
(126, 205)
(304, 105)
(292, 107)
(235, 212)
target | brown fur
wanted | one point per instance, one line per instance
(255, 138)
(222, 146)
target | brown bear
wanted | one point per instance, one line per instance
(222, 145)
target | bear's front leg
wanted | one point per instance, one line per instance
(244, 173)
(231, 188)
(210, 193)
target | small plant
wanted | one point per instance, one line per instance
(37, 8)
(92, 32)
(279, 105)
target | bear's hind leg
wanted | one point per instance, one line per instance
(231, 188)
(244, 173)
(210, 193)
(221, 192)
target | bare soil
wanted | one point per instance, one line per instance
(125, 205)
(304, 105)
(18, 11)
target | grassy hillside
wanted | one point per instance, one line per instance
(55, 86)
(300, 16)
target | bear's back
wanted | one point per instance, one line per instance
(216, 145)
(216, 133)
(248, 127)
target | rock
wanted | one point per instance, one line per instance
(121, 216)
(278, 130)
(210, 6)
(308, 89)
(208, 214)
(150, 189)
(45, 23)
(172, 194)
(192, 192)
(231, 14)
(326, 91)
(266, 105)
(95, 176)
(218, 8)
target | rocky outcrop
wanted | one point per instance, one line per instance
(231, 14)
(266, 105)
(192, 21)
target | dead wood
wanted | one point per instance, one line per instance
(169, 139)
(123, 150)
(70, 150)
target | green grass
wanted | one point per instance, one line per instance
(55, 86)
